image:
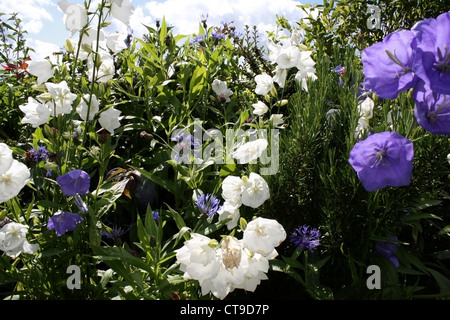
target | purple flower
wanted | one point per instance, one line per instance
(37, 155)
(305, 237)
(432, 110)
(155, 215)
(340, 70)
(80, 204)
(115, 232)
(383, 159)
(387, 249)
(387, 65)
(209, 204)
(432, 61)
(74, 182)
(63, 222)
(187, 145)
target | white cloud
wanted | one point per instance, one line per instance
(42, 49)
(185, 15)
(29, 9)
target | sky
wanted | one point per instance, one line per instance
(47, 33)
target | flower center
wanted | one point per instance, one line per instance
(443, 65)
(6, 178)
(380, 156)
(231, 253)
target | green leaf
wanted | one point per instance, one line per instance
(320, 292)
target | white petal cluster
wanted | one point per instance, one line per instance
(250, 151)
(75, 16)
(82, 108)
(36, 113)
(109, 119)
(291, 56)
(13, 240)
(250, 191)
(62, 98)
(264, 84)
(220, 88)
(365, 110)
(231, 264)
(42, 69)
(14, 175)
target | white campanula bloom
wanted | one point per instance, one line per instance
(361, 128)
(289, 57)
(230, 210)
(365, 108)
(116, 42)
(36, 113)
(106, 69)
(448, 158)
(280, 76)
(262, 235)
(13, 240)
(250, 151)
(232, 188)
(277, 119)
(12, 180)
(82, 108)
(90, 39)
(256, 190)
(264, 84)
(221, 90)
(306, 69)
(231, 264)
(6, 158)
(109, 119)
(122, 10)
(62, 98)
(260, 108)
(198, 258)
(42, 69)
(75, 16)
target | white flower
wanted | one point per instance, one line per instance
(306, 69)
(256, 190)
(109, 119)
(198, 258)
(62, 98)
(277, 119)
(262, 235)
(264, 84)
(12, 180)
(230, 209)
(221, 90)
(42, 69)
(250, 151)
(13, 240)
(361, 128)
(6, 157)
(260, 108)
(106, 69)
(122, 10)
(280, 76)
(365, 108)
(232, 187)
(288, 57)
(274, 51)
(36, 113)
(90, 39)
(75, 16)
(448, 158)
(83, 108)
(116, 42)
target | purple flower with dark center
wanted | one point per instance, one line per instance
(387, 65)
(305, 237)
(387, 249)
(208, 204)
(217, 35)
(432, 110)
(432, 60)
(74, 182)
(63, 222)
(383, 159)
